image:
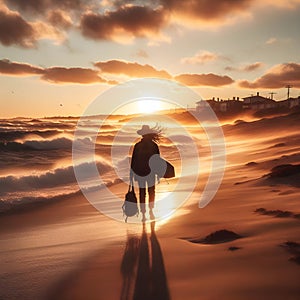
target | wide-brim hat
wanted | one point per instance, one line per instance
(146, 130)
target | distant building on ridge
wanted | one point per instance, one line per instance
(253, 102)
(232, 105)
(289, 103)
(258, 102)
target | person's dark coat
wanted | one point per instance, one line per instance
(141, 155)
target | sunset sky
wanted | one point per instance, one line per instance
(58, 55)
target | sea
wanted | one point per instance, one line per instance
(39, 157)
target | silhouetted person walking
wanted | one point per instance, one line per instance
(140, 168)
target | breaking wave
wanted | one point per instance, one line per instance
(59, 143)
(52, 179)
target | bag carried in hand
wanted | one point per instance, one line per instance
(130, 206)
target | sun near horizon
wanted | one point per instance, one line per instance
(149, 106)
(145, 107)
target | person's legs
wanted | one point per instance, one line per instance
(148, 183)
(142, 199)
(151, 193)
(142, 196)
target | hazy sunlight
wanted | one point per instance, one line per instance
(149, 106)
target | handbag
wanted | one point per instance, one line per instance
(130, 206)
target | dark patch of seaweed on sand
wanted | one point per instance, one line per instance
(276, 213)
(294, 249)
(287, 174)
(217, 237)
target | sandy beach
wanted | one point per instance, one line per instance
(243, 245)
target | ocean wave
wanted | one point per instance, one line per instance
(10, 136)
(22, 128)
(56, 178)
(53, 125)
(59, 143)
(26, 203)
(19, 204)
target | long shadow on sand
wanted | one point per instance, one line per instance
(142, 268)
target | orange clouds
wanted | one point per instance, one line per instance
(14, 30)
(131, 69)
(204, 79)
(206, 10)
(59, 19)
(82, 75)
(44, 6)
(277, 77)
(200, 58)
(116, 20)
(253, 67)
(18, 69)
(136, 70)
(71, 75)
(128, 19)
(61, 75)
(247, 68)
(54, 74)
(138, 21)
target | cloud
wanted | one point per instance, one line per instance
(201, 57)
(44, 6)
(44, 30)
(204, 79)
(131, 69)
(18, 69)
(59, 19)
(247, 68)
(219, 12)
(119, 20)
(14, 30)
(71, 75)
(131, 21)
(205, 10)
(79, 75)
(141, 53)
(54, 74)
(271, 41)
(230, 69)
(277, 77)
(253, 67)
(285, 4)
